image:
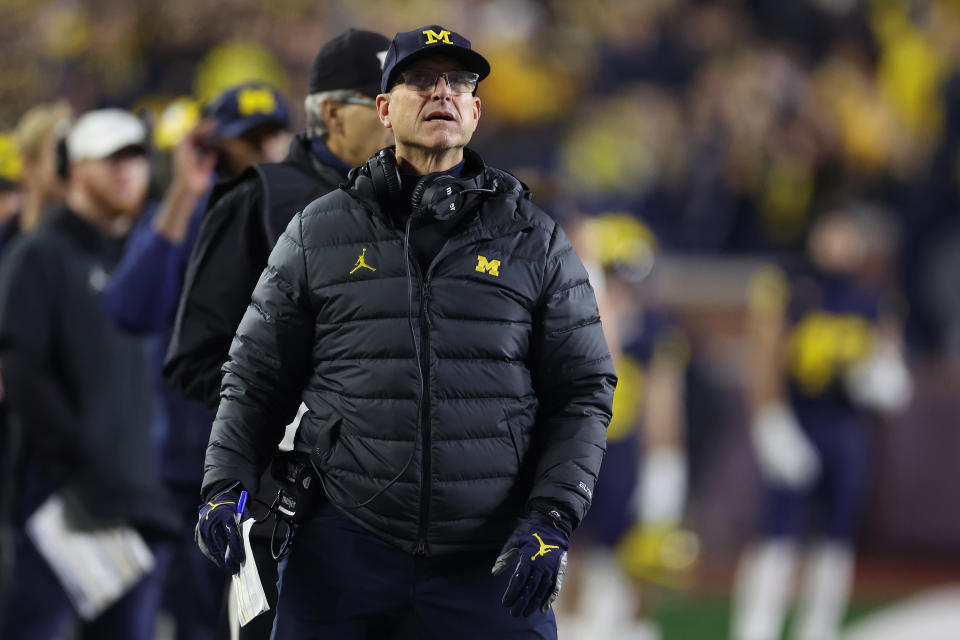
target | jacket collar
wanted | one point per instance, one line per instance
(302, 156)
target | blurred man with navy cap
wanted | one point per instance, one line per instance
(250, 124)
(446, 342)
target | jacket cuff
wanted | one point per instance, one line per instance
(220, 487)
(555, 513)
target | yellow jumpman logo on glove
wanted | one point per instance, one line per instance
(214, 505)
(544, 548)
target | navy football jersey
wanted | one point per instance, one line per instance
(832, 322)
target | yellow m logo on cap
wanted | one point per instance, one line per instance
(433, 36)
(250, 101)
(489, 266)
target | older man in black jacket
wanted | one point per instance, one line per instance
(246, 215)
(446, 341)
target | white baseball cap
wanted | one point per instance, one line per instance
(101, 133)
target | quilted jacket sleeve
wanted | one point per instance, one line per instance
(266, 370)
(574, 380)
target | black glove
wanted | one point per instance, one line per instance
(218, 534)
(538, 546)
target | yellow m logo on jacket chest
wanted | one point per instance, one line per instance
(488, 266)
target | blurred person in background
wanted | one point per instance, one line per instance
(244, 221)
(11, 190)
(758, 145)
(251, 123)
(458, 415)
(11, 199)
(36, 135)
(932, 239)
(826, 353)
(631, 539)
(628, 151)
(77, 389)
(242, 125)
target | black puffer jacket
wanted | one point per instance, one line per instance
(517, 380)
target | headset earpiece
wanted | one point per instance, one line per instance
(385, 175)
(439, 197)
(62, 153)
(417, 196)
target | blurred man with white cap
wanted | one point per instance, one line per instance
(106, 159)
(78, 389)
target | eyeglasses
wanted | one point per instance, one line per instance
(364, 101)
(425, 80)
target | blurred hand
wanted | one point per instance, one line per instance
(784, 453)
(881, 382)
(193, 163)
(193, 166)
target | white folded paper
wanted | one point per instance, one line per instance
(251, 600)
(95, 566)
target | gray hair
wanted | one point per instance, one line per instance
(313, 105)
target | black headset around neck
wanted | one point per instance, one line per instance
(436, 195)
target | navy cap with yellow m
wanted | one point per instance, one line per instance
(432, 40)
(241, 108)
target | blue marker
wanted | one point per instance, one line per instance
(241, 505)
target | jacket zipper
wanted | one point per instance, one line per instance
(424, 413)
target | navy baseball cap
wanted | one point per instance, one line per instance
(241, 108)
(432, 40)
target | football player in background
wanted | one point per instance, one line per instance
(631, 539)
(826, 354)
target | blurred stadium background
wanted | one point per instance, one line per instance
(726, 126)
